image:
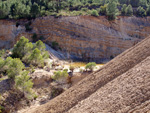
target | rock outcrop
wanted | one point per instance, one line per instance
(122, 85)
(81, 37)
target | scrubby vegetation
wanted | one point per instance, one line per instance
(15, 9)
(24, 82)
(24, 55)
(60, 74)
(31, 54)
(90, 66)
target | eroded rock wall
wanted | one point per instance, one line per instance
(85, 37)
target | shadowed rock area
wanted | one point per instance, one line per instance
(122, 85)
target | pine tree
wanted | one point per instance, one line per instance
(123, 10)
(19, 50)
(143, 3)
(24, 83)
(129, 10)
(148, 11)
(35, 10)
(15, 68)
(141, 12)
(36, 58)
(112, 10)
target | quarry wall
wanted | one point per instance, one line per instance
(81, 37)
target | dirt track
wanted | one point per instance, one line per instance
(92, 83)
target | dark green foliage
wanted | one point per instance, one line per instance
(112, 10)
(141, 12)
(19, 48)
(60, 74)
(123, 10)
(2, 53)
(11, 67)
(34, 37)
(103, 9)
(148, 11)
(94, 13)
(36, 58)
(24, 83)
(15, 68)
(30, 53)
(17, 24)
(129, 10)
(28, 27)
(16, 9)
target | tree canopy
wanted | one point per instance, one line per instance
(16, 9)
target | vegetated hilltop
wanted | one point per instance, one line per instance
(35, 8)
(122, 85)
(86, 38)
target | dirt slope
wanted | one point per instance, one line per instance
(121, 64)
(120, 95)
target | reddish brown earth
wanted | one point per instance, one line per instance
(122, 85)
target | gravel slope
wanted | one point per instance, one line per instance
(95, 81)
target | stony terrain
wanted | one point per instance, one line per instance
(91, 38)
(122, 85)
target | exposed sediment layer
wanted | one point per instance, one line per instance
(83, 37)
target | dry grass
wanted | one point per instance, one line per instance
(82, 64)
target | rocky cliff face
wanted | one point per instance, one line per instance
(82, 37)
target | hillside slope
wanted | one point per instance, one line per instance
(129, 70)
(83, 37)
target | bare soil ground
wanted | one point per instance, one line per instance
(129, 87)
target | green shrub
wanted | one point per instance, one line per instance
(36, 58)
(72, 68)
(28, 27)
(17, 24)
(141, 12)
(60, 74)
(24, 83)
(29, 53)
(94, 13)
(90, 66)
(103, 9)
(2, 53)
(15, 68)
(84, 9)
(34, 37)
(1, 108)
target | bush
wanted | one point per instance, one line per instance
(28, 28)
(24, 83)
(19, 48)
(29, 53)
(141, 12)
(94, 13)
(15, 68)
(90, 66)
(60, 74)
(36, 58)
(103, 9)
(34, 37)
(84, 9)
(71, 68)
(1, 108)
(2, 53)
